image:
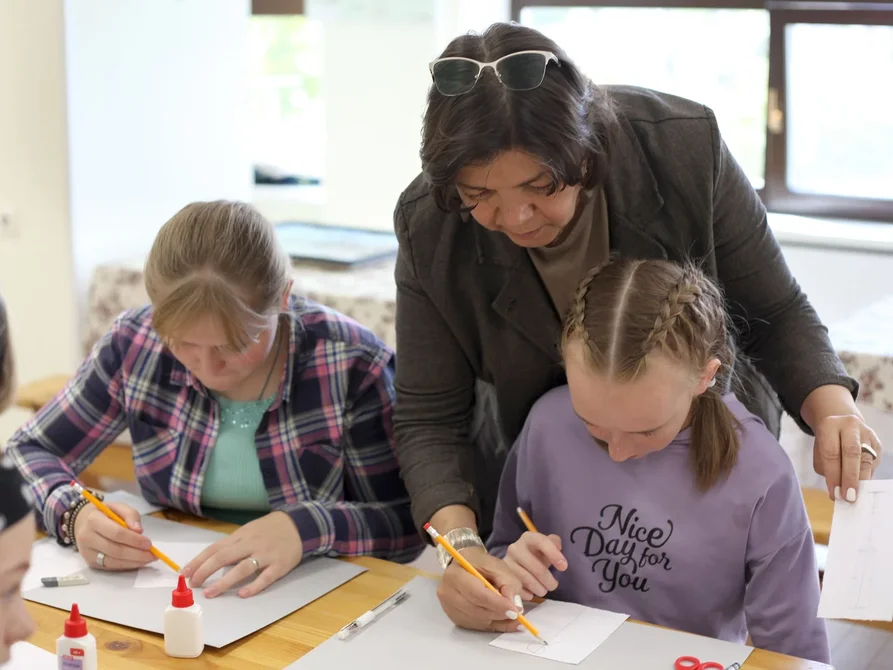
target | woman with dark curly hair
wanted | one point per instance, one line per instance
(532, 175)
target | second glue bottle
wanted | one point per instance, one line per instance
(184, 635)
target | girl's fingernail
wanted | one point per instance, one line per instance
(511, 614)
(837, 493)
(519, 603)
(851, 495)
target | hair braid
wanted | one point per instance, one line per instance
(685, 292)
(577, 315)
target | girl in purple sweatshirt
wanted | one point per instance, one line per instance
(658, 494)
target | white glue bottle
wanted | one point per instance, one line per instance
(76, 649)
(184, 635)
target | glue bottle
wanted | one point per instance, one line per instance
(76, 649)
(184, 636)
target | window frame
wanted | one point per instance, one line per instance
(276, 7)
(775, 193)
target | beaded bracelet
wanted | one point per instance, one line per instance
(66, 526)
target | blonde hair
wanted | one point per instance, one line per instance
(217, 259)
(625, 309)
(7, 369)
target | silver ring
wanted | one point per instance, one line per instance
(100, 559)
(256, 564)
(868, 449)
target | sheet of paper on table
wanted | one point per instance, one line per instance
(110, 596)
(419, 629)
(573, 631)
(858, 579)
(50, 559)
(26, 656)
(160, 575)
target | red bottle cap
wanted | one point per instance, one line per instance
(75, 626)
(182, 595)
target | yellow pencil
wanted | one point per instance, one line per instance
(442, 541)
(114, 517)
(527, 521)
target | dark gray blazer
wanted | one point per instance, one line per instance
(471, 306)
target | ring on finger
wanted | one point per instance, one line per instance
(255, 562)
(100, 559)
(868, 449)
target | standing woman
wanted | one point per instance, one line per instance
(16, 522)
(532, 175)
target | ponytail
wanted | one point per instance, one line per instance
(714, 439)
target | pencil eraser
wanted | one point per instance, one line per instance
(427, 526)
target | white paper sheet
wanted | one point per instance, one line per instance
(49, 559)
(26, 656)
(160, 575)
(572, 631)
(858, 581)
(138, 503)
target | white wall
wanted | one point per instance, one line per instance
(376, 81)
(36, 265)
(113, 115)
(155, 117)
(840, 283)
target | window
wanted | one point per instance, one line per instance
(287, 104)
(663, 49)
(801, 90)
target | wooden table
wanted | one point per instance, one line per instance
(283, 642)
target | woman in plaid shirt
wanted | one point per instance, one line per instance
(243, 402)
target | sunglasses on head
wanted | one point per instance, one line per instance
(520, 71)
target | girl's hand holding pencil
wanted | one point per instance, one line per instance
(531, 557)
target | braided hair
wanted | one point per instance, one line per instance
(625, 310)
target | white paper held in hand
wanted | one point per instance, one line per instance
(573, 631)
(858, 579)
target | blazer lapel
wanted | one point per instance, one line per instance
(635, 205)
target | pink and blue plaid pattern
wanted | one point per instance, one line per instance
(325, 446)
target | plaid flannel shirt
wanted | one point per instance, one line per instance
(325, 446)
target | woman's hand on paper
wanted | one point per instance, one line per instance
(122, 548)
(530, 559)
(274, 544)
(470, 604)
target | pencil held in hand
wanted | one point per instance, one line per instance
(105, 509)
(526, 520)
(439, 539)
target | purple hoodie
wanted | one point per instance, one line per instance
(640, 538)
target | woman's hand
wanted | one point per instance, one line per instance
(839, 456)
(272, 541)
(843, 441)
(122, 548)
(841, 438)
(530, 559)
(470, 604)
